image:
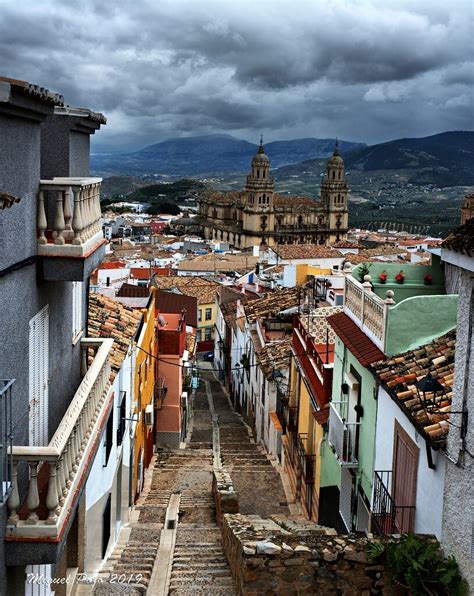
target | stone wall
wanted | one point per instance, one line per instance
(283, 556)
(225, 497)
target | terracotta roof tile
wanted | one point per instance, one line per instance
(305, 251)
(275, 356)
(203, 289)
(272, 303)
(355, 339)
(399, 374)
(461, 239)
(109, 318)
(321, 416)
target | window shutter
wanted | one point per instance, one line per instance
(38, 378)
(345, 498)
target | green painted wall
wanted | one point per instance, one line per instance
(418, 320)
(413, 285)
(367, 427)
(330, 468)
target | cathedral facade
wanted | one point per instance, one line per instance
(258, 215)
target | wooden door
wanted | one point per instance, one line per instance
(405, 469)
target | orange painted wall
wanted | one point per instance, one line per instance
(144, 382)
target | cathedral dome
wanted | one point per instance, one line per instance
(261, 157)
(336, 159)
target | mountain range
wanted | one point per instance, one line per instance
(444, 159)
(212, 154)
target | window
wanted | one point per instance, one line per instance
(208, 314)
(76, 309)
(200, 315)
(208, 333)
(108, 440)
(122, 416)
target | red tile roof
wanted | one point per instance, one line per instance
(461, 239)
(133, 291)
(399, 374)
(355, 339)
(172, 303)
(144, 272)
(112, 265)
(321, 416)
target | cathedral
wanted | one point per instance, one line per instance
(258, 215)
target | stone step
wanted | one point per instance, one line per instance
(203, 559)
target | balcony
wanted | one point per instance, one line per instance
(57, 472)
(343, 438)
(68, 224)
(160, 391)
(6, 433)
(367, 310)
(384, 321)
(387, 516)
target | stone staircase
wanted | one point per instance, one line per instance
(199, 564)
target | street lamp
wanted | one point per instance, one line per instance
(430, 385)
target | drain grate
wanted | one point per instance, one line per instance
(171, 524)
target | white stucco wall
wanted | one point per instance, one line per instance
(103, 479)
(458, 514)
(430, 483)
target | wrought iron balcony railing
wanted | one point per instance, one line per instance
(62, 465)
(388, 517)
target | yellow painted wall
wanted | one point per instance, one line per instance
(304, 410)
(307, 425)
(144, 383)
(302, 272)
(202, 324)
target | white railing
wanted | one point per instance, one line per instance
(367, 309)
(69, 216)
(342, 437)
(67, 456)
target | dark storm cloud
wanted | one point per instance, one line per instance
(359, 69)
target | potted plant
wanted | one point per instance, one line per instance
(400, 277)
(383, 277)
(364, 270)
(428, 279)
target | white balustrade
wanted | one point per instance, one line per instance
(67, 454)
(367, 309)
(68, 219)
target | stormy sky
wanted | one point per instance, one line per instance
(364, 70)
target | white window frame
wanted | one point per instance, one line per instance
(77, 311)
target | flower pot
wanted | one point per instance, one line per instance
(383, 281)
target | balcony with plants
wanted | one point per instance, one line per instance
(399, 315)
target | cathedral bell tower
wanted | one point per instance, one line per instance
(258, 211)
(334, 194)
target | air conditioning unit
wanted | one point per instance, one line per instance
(184, 399)
(149, 415)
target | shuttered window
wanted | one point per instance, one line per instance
(39, 378)
(77, 299)
(345, 498)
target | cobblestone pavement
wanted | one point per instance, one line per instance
(199, 565)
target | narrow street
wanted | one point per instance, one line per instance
(181, 553)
